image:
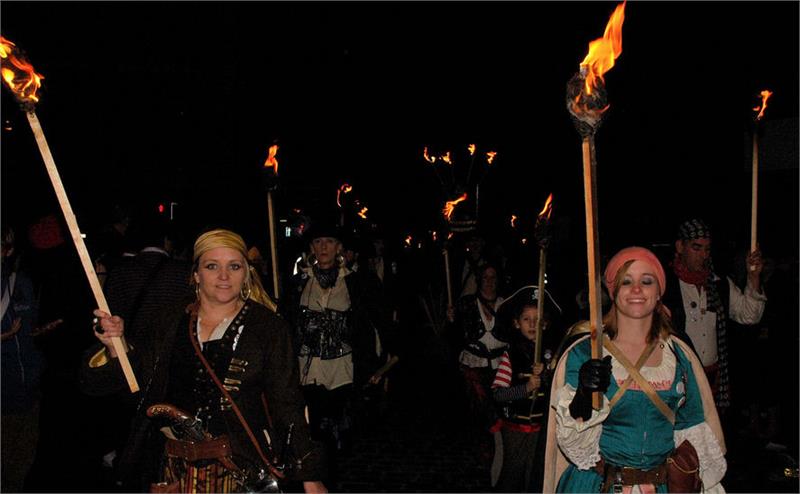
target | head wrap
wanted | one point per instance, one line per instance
(634, 254)
(226, 238)
(693, 229)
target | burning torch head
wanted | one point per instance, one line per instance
(586, 110)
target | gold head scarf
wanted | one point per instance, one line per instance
(226, 238)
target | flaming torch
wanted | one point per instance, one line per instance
(449, 206)
(343, 189)
(765, 94)
(587, 102)
(272, 162)
(23, 81)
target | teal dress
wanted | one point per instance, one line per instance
(635, 433)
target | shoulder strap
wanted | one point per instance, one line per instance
(641, 381)
(639, 363)
(274, 471)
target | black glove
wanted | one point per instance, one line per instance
(594, 375)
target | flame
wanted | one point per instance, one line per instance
(408, 240)
(20, 76)
(765, 94)
(428, 158)
(449, 206)
(433, 235)
(446, 158)
(490, 156)
(363, 212)
(547, 209)
(271, 161)
(471, 149)
(449, 235)
(603, 51)
(344, 189)
(513, 221)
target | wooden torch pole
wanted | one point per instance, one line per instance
(119, 344)
(592, 253)
(754, 195)
(273, 247)
(537, 351)
(447, 278)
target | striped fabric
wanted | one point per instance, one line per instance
(503, 377)
(213, 478)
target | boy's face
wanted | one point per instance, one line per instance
(526, 322)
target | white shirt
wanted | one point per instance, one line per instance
(701, 324)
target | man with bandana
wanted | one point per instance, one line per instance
(701, 302)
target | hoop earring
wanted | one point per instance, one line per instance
(312, 260)
(247, 295)
(340, 259)
(197, 290)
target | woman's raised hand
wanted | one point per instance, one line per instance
(106, 327)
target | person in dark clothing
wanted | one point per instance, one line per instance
(22, 365)
(137, 289)
(519, 391)
(229, 334)
(340, 325)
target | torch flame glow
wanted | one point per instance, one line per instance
(408, 240)
(547, 209)
(363, 212)
(490, 156)
(271, 161)
(765, 94)
(18, 73)
(471, 149)
(428, 158)
(344, 189)
(446, 158)
(513, 221)
(603, 51)
(449, 206)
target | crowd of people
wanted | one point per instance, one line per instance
(241, 391)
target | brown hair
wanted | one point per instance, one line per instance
(661, 326)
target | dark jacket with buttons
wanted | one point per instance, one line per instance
(271, 368)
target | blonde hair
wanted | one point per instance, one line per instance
(660, 327)
(226, 238)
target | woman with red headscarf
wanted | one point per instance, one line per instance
(657, 409)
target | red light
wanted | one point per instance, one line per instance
(160, 208)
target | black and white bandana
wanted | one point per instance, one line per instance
(693, 229)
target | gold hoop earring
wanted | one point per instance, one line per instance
(247, 295)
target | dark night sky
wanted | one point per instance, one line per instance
(179, 101)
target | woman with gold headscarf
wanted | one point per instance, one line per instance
(221, 382)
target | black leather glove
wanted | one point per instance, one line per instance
(594, 375)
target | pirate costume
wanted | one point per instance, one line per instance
(253, 356)
(700, 303)
(522, 412)
(647, 413)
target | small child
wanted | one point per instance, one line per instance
(519, 391)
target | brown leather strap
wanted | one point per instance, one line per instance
(201, 450)
(630, 476)
(639, 363)
(274, 471)
(641, 381)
